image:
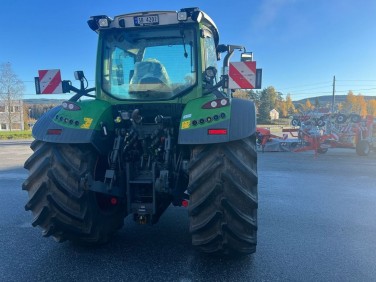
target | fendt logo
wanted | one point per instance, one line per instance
(48, 82)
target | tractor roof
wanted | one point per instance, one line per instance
(154, 18)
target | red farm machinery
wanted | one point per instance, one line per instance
(335, 131)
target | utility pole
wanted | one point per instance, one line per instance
(334, 91)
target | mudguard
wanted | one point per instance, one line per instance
(199, 125)
(88, 121)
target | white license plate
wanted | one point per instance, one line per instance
(146, 20)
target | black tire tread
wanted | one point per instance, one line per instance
(223, 197)
(57, 198)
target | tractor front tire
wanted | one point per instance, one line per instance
(223, 197)
(58, 197)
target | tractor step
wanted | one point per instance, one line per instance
(141, 198)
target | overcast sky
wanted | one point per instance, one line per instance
(299, 44)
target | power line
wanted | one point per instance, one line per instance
(329, 92)
(307, 85)
(362, 80)
(310, 93)
(355, 90)
(338, 86)
(352, 85)
(328, 84)
(314, 88)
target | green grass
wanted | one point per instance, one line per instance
(14, 135)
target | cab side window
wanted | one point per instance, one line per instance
(210, 54)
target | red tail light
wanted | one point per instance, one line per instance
(184, 203)
(217, 131)
(114, 201)
(54, 131)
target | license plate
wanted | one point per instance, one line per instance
(146, 20)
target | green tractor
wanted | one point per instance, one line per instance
(162, 128)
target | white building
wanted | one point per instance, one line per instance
(13, 114)
(274, 114)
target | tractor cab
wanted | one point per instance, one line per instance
(153, 55)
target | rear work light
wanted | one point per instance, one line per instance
(217, 131)
(218, 103)
(54, 131)
(98, 22)
(182, 16)
(104, 22)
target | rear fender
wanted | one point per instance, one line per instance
(235, 121)
(91, 122)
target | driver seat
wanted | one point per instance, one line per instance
(150, 71)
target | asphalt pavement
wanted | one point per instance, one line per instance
(316, 223)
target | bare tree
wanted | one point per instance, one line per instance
(11, 92)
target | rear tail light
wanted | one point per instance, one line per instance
(54, 131)
(184, 203)
(217, 131)
(114, 201)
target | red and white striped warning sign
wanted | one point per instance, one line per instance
(242, 75)
(50, 82)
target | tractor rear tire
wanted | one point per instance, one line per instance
(58, 197)
(223, 197)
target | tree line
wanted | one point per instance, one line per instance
(12, 88)
(11, 93)
(269, 98)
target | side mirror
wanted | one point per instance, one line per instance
(79, 75)
(221, 48)
(210, 74)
